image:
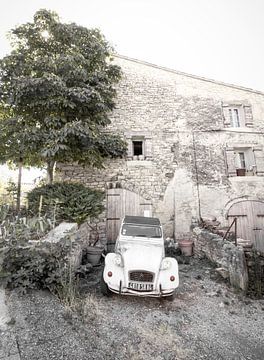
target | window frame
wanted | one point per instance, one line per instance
(237, 165)
(237, 114)
(146, 139)
(236, 118)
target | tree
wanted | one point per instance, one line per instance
(15, 147)
(59, 84)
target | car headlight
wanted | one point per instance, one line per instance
(118, 260)
(166, 264)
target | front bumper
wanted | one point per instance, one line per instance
(127, 291)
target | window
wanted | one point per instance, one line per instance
(234, 117)
(141, 231)
(139, 145)
(242, 161)
(237, 114)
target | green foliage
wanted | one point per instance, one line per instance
(19, 228)
(11, 190)
(35, 265)
(44, 266)
(70, 201)
(57, 85)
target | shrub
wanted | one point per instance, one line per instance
(44, 266)
(66, 201)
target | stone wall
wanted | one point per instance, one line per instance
(181, 116)
(228, 257)
(255, 263)
(62, 232)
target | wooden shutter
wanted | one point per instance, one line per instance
(259, 158)
(148, 148)
(226, 116)
(230, 162)
(248, 115)
(250, 159)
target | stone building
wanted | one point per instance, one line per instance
(195, 149)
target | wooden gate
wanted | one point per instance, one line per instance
(250, 221)
(121, 202)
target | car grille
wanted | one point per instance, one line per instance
(141, 276)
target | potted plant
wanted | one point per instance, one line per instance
(186, 246)
(93, 251)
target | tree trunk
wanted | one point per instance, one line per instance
(18, 200)
(50, 171)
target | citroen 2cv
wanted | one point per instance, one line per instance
(139, 266)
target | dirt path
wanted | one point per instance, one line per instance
(206, 320)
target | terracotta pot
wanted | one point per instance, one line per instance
(241, 172)
(186, 247)
(94, 254)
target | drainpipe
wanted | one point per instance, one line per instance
(197, 177)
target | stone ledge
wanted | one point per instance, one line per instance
(144, 163)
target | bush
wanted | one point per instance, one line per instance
(45, 266)
(66, 201)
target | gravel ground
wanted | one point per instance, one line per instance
(206, 320)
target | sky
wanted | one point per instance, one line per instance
(217, 39)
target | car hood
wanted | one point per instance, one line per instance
(142, 257)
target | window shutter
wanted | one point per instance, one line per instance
(129, 147)
(148, 148)
(250, 159)
(230, 162)
(259, 158)
(226, 116)
(237, 161)
(248, 116)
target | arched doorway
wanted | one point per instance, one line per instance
(250, 221)
(121, 202)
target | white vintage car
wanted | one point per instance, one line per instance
(139, 266)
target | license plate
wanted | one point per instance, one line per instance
(140, 286)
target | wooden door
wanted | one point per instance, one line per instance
(121, 202)
(259, 226)
(250, 221)
(114, 213)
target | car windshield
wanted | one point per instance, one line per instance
(141, 231)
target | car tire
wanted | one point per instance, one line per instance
(104, 288)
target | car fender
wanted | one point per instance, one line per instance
(164, 279)
(116, 270)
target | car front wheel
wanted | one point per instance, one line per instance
(104, 288)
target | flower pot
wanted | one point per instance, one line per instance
(241, 172)
(94, 254)
(186, 247)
